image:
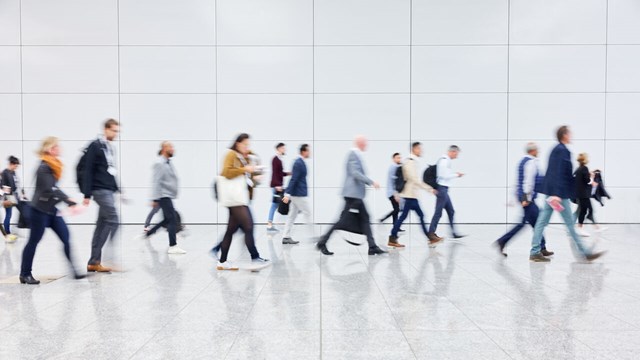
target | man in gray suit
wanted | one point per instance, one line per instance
(353, 192)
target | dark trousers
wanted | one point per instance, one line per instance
(169, 221)
(443, 201)
(585, 210)
(39, 222)
(530, 217)
(240, 218)
(106, 225)
(396, 210)
(409, 205)
(363, 218)
(7, 219)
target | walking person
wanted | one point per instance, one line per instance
(445, 177)
(391, 191)
(164, 191)
(409, 193)
(354, 192)
(152, 213)
(99, 182)
(44, 214)
(237, 167)
(559, 187)
(585, 187)
(296, 193)
(277, 182)
(529, 183)
(13, 191)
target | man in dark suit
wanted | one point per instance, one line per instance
(559, 186)
(297, 192)
(354, 192)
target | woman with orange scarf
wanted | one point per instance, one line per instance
(45, 214)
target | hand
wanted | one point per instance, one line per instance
(376, 185)
(434, 191)
(525, 203)
(594, 184)
(7, 203)
(555, 198)
(285, 200)
(396, 198)
(460, 174)
(155, 204)
(278, 188)
(86, 202)
(250, 168)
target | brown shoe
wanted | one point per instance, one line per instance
(434, 237)
(546, 252)
(434, 242)
(594, 256)
(393, 242)
(98, 268)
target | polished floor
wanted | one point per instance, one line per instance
(458, 301)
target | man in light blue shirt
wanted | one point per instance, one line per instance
(391, 190)
(443, 202)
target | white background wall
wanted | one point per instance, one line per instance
(486, 75)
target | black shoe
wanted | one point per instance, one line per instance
(501, 248)
(28, 280)
(458, 236)
(594, 256)
(289, 241)
(323, 249)
(538, 258)
(401, 230)
(376, 251)
(546, 252)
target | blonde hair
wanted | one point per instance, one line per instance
(583, 158)
(47, 143)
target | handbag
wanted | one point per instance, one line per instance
(283, 208)
(232, 192)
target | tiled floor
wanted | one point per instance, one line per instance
(459, 301)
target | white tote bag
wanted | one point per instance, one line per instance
(233, 192)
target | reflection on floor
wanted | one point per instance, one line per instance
(459, 301)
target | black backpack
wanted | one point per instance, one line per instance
(80, 168)
(430, 175)
(399, 182)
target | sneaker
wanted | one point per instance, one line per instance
(11, 238)
(272, 229)
(227, 265)
(458, 236)
(393, 242)
(289, 241)
(538, 258)
(259, 263)
(581, 232)
(175, 250)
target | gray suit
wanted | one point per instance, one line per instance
(353, 192)
(356, 180)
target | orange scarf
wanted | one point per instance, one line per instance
(55, 164)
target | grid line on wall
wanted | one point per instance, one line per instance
(506, 173)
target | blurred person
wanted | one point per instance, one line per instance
(147, 222)
(445, 177)
(354, 192)
(585, 188)
(559, 187)
(277, 182)
(98, 181)
(164, 191)
(529, 182)
(391, 191)
(296, 193)
(14, 193)
(237, 165)
(45, 214)
(413, 183)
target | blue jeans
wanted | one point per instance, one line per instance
(39, 222)
(543, 221)
(409, 204)
(273, 208)
(530, 216)
(7, 219)
(443, 201)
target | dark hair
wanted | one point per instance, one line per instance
(415, 144)
(304, 147)
(109, 123)
(279, 145)
(394, 155)
(562, 131)
(455, 148)
(14, 160)
(242, 137)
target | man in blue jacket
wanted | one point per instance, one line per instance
(296, 193)
(559, 186)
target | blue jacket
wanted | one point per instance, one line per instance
(356, 180)
(298, 184)
(559, 179)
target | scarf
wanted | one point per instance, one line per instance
(54, 163)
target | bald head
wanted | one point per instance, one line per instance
(360, 142)
(532, 149)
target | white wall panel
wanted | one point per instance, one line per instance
(620, 171)
(10, 68)
(10, 117)
(168, 116)
(265, 22)
(357, 22)
(167, 69)
(460, 22)
(623, 25)
(623, 112)
(70, 69)
(623, 72)
(10, 22)
(166, 22)
(459, 69)
(379, 116)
